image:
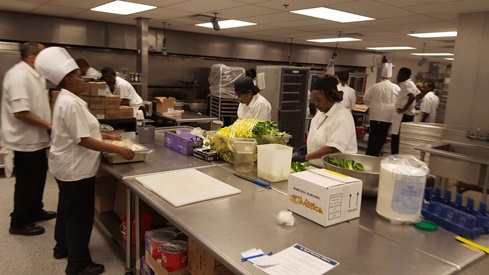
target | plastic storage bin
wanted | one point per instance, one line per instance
(244, 152)
(274, 162)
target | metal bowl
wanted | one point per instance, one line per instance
(370, 178)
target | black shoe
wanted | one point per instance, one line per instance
(45, 216)
(27, 230)
(60, 254)
(91, 269)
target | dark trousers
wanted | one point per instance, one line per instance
(75, 221)
(30, 170)
(376, 137)
(395, 138)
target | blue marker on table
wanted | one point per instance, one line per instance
(255, 256)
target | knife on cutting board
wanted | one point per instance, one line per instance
(253, 180)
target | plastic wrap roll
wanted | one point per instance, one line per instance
(401, 188)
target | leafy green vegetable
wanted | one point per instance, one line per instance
(298, 167)
(346, 164)
(265, 128)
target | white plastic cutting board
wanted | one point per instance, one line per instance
(187, 186)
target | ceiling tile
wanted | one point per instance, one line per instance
(162, 13)
(199, 6)
(18, 6)
(244, 12)
(456, 7)
(305, 4)
(372, 9)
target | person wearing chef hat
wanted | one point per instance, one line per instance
(380, 98)
(119, 86)
(74, 160)
(25, 121)
(332, 128)
(404, 106)
(251, 103)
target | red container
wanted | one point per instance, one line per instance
(174, 255)
(145, 226)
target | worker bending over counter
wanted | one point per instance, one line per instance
(119, 86)
(251, 104)
(332, 129)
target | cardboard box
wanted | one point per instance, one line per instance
(85, 98)
(205, 154)
(201, 262)
(324, 196)
(86, 90)
(126, 112)
(105, 183)
(145, 268)
(97, 103)
(99, 114)
(182, 141)
(112, 113)
(104, 203)
(159, 270)
(163, 103)
(112, 102)
(98, 88)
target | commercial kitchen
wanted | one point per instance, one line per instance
(174, 58)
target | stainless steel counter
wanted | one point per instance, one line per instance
(188, 117)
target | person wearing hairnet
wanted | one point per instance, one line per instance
(251, 103)
(74, 160)
(332, 128)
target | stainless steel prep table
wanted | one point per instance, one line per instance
(188, 117)
(229, 225)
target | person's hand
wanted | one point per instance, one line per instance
(400, 110)
(299, 158)
(112, 137)
(302, 150)
(124, 152)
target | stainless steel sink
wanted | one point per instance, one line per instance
(462, 162)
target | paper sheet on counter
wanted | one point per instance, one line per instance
(298, 259)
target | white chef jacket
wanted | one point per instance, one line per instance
(429, 105)
(258, 108)
(381, 97)
(72, 121)
(92, 73)
(336, 128)
(349, 96)
(126, 91)
(407, 87)
(24, 89)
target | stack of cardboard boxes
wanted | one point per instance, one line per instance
(105, 191)
(103, 104)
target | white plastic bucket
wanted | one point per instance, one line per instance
(274, 162)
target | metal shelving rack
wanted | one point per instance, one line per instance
(225, 109)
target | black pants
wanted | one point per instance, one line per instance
(376, 137)
(75, 221)
(30, 170)
(395, 138)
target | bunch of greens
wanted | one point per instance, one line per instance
(298, 166)
(346, 164)
(266, 128)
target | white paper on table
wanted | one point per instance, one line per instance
(299, 260)
(263, 261)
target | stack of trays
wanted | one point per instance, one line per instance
(417, 133)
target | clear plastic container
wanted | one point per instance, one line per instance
(274, 162)
(244, 154)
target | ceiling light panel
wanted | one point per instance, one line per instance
(227, 24)
(391, 48)
(333, 15)
(123, 7)
(449, 58)
(329, 40)
(434, 34)
(433, 54)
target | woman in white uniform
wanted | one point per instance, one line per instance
(332, 128)
(251, 104)
(74, 160)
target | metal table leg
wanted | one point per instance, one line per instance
(138, 232)
(128, 232)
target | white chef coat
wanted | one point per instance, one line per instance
(381, 97)
(24, 89)
(72, 121)
(126, 91)
(429, 105)
(92, 73)
(336, 128)
(349, 96)
(407, 87)
(258, 108)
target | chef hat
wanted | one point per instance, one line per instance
(387, 70)
(54, 63)
(330, 70)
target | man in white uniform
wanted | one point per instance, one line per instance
(404, 106)
(349, 94)
(86, 70)
(119, 86)
(429, 103)
(26, 119)
(380, 98)
(251, 103)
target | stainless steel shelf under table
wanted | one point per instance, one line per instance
(229, 225)
(188, 117)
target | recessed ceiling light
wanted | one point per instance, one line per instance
(433, 54)
(333, 15)
(449, 58)
(227, 24)
(391, 48)
(434, 34)
(328, 40)
(123, 7)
